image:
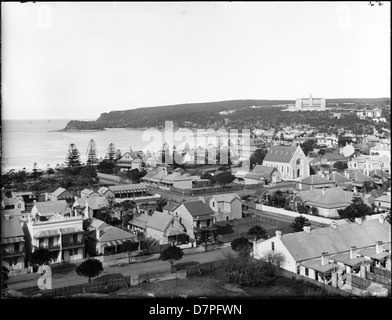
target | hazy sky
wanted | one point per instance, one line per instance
(77, 60)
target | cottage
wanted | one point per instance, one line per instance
(254, 178)
(87, 193)
(61, 194)
(340, 180)
(270, 174)
(14, 203)
(170, 207)
(12, 243)
(166, 229)
(383, 203)
(90, 206)
(290, 161)
(139, 223)
(314, 182)
(326, 201)
(137, 192)
(320, 252)
(226, 206)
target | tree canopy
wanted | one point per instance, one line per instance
(257, 157)
(224, 178)
(41, 256)
(171, 254)
(73, 157)
(90, 268)
(357, 209)
(299, 222)
(91, 153)
(258, 232)
(241, 246)
(129, 246)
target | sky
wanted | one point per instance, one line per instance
(78, 60)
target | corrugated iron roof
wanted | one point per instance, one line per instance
(315, 179)
(51, 206)
(111, 233)
(280, 154)
(198, 208)
(305, 246)
(11, 228)
(226, 197)
(159, 221)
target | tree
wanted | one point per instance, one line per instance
(257, 157)
(88, 175)
(340, 166)
(278, 199)
(308, 146)
(299, 222)
(171, 254)
(241, 246)
(106, 166)
(258, 232)
(208, 176)
(129, 246)
(91, 153)
(86, 225)
(357, 209)
(73, 157)
(4, 278)
(111, 153)
(135, 175)
(41, 256)
(118, 155)
(36, 172)
(273, 257)
(321, 152)
(160, 203)
(224, 178)
(90, 268)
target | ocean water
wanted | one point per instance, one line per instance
(27, 141)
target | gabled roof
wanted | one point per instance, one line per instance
(304, 246)
(359, 176)
(265, 170)
(159, 221)
(379, 173)
(171, 206)
(280, 154)
(227, 197)
(176, 176)
(11, 228)
(198, 208)
(140, 221)
(111, 233)
(159, 176)
(98, 224)
(315, 179)
(95, 203)
(128, 187)
(87, 192)
(337, 177)
(254, 176)
(51, 206)
(334, 197)
(59, 191)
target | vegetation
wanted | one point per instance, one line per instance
(4, 278)
(76, 125)
(72, 159)
(258, 232)
(278, 199)
(224, 178)
(172, 254)
(357, 209)
(90, 268)
(242, 246)
(309, 146)
(91, 153)
(273, 257)
(299, 223)
(257, 157)
(340, 166)
(41, 256)
(129, 246)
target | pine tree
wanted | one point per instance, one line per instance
(118, 155)
(91, 153)
(73, 157)
(111, 153)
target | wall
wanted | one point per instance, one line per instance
(186, 184)
(156, 234)
(186, 220)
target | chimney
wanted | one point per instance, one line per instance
(381, 219)
(333, 224)
(379, 247)
(307, 229)
(353, 252)
(202, 199)
(323, 192)
(358, 220)
(278, 233)
(324, 258)
(46, 196)
(86, 213)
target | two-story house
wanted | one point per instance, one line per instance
(12, 243)
(226, 206)
(49, 208)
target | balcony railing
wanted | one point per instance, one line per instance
(50, 246)
(68, 244)
(10, 253)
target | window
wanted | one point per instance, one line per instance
(75, 252)
(306, 272)
(298, 269)
(213, 203)
(75, 238)
(71, 253)
(16, 247)
(19, 205)
(272, 246)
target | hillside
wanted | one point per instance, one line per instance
(237, 114)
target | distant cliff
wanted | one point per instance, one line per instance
(76, 125)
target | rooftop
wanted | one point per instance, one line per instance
(198, 208)
(159, 221)
(49, 207)
(280, 154)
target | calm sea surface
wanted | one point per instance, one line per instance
(27, 141)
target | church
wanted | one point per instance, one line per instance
(290, 161)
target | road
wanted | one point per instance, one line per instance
(152, 266)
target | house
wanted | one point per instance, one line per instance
(170, 207)
(327, 201)
(50, 208)
(62, 235)
(61, 194)
(381, 149)
(27, 196)
(358, 178)
(196, 216)
(340, 180)
(315, 182)
(137, 192)
(14, 203)
(12, 243)
(226, 206)
(270, 174)
(107, 240)
(254, 178)
(177, 180)
(379, 176)
(131, 160)
(365, 164)
(90, 206)
(290, 161)
(87, 193)
(154, 178)
(383, 203)
(319, 253)
(166, 229)
(138, 223)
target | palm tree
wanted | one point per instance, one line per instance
(258, 232)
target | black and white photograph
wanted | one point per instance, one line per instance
(213, 152)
